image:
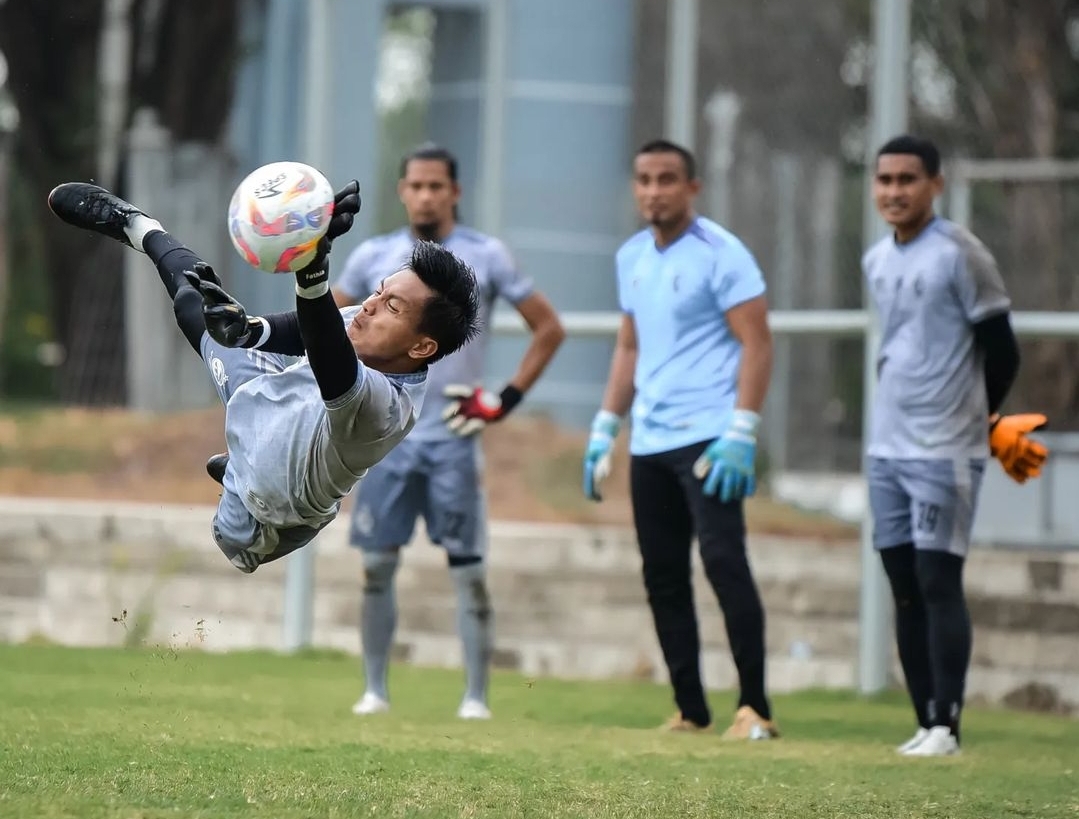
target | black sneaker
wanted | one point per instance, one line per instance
(215, 467)
(92, 208)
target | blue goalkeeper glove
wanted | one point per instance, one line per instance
(597, 457)
(729, 463)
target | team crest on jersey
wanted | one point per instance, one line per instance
(217, 370)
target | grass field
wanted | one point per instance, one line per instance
(159, 733)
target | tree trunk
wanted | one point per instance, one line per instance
(184, 52)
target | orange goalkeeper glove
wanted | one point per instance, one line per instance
(1021, 457)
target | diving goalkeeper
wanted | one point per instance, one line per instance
(300, 434)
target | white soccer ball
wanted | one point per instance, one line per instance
(278, 214)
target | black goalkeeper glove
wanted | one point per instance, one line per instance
(313, 280)
(226, 319)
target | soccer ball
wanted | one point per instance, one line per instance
(278, 214)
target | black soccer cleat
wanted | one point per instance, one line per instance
(92, 208)
(215, 467)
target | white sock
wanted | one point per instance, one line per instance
(138, 227)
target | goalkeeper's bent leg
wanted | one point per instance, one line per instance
(171, 259)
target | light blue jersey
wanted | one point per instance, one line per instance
(686, 378)
(497, 276)
(930, 401)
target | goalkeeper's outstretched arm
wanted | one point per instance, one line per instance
(330, 353)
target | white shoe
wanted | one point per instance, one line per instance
(938, 742)
(913, 742)
(370, 703)
(473, 709)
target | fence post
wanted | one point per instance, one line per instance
(145, 310)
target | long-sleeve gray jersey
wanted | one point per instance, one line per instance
(294, 457)
(931, 398)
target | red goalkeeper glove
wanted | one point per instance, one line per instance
(473, 408)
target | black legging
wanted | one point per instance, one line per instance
(669, 506)
(932, 630)
(172, 259)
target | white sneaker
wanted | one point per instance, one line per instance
(938, 742)
(370, 703)
(473, 709)
(914, 741)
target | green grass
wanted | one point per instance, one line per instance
(144, 733)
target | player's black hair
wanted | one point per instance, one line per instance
(451, 316)
(430, 151)
(665, 146)
(915, 146)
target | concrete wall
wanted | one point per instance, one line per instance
(568, 600)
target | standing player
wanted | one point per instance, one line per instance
(694, 345)
(300, 434)
(947, 359)
(436, 471)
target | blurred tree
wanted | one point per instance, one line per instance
(51, 49)
(182, 60)
(1017, 77)
(402, 104)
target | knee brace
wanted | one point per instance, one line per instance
(379, 569)
(471, 582)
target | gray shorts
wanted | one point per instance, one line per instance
(439, 480)
(929, 503)
(244, 541)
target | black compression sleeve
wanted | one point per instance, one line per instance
(994, 337)
(285, 336)
(332, 358)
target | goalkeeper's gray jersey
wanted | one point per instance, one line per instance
(497, 276)
(294, 457)
(930, 400)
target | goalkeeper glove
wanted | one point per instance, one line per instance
(313, 280)
(1020, 457)
(474, 408)
(729, 463)
(226, 319)
(346, 204)
(597, 457)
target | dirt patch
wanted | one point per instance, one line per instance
(533, 467)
